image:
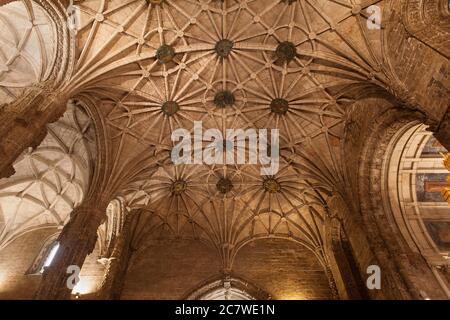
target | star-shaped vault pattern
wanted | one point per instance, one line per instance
(156, 66)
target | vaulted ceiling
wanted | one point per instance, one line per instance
(27, 51)
(158, 65)
(51, 180)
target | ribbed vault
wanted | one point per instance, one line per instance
(287, 65)
(28, 48)
(150, 67)
(290, 65)
(51, 180)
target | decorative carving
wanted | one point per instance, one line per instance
(271, 185)
(117, 263)
(224, 185)
(224, 47)
(47, 22)
(286, 52)
(178, 187)
(224, 99)
(266, 65)
(169, 108)
(428, 21)
(165, 54)
(279, 106)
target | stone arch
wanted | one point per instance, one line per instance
(111, 228)
(101, 162)
(306, 271)
(414, 176)
(227, 288)
(399, 264)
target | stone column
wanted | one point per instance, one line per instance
(77, 240)
(117, 264)
(339, 266)
(332, 283)
(49, 48)
(360, 244)
(26, 127)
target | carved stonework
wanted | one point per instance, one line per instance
(224, 185)
(165, 54)
(224, 47)
(428, 20)
(148, 68)
(38, 102)
(117, 263)
(58, 171)
(442, 130)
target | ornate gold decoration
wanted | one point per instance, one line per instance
(446, 191)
